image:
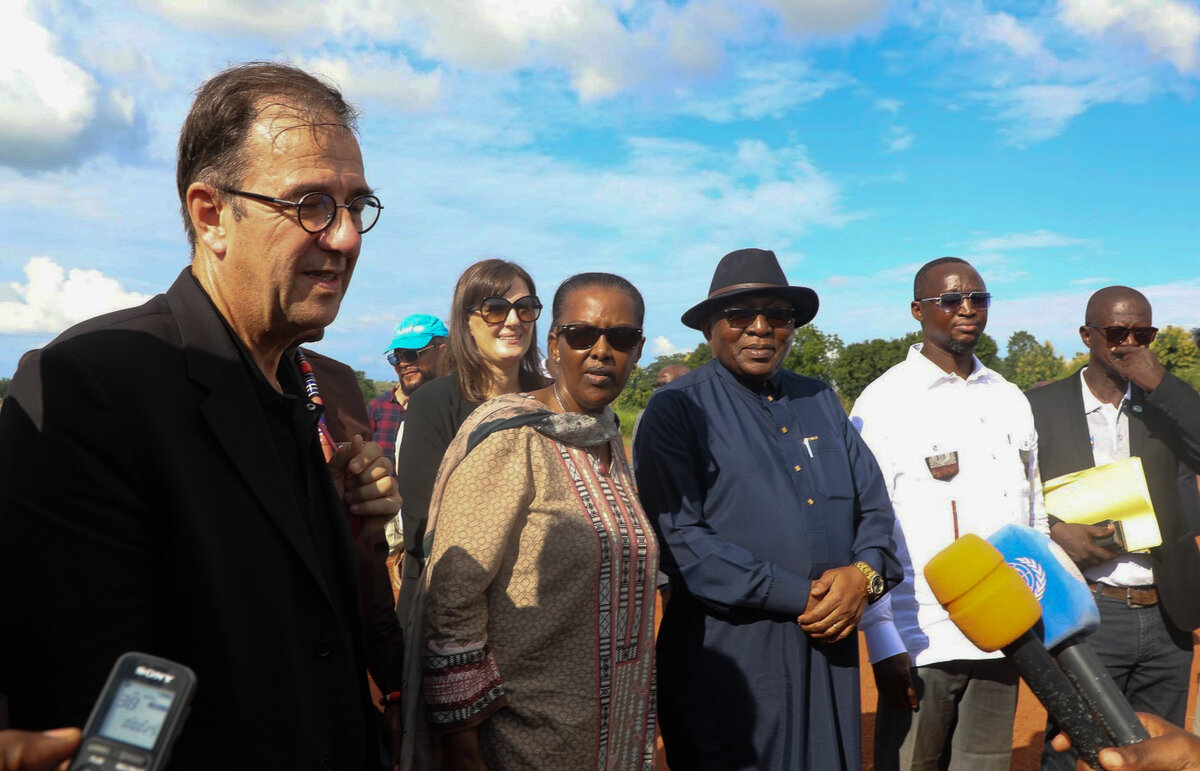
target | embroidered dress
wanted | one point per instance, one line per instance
(539, 602)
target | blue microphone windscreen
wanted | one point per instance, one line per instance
(1067, 605)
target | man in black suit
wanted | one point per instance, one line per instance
(1123, 404)
(163, 486)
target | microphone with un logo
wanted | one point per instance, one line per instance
(1069, 614)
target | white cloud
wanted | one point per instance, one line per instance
(1042, 111)
(664, 347)
(898, 139)
(53, 299)
(769, 90)
(331, 18)
(98, 197)
(1038, 239)
(889, 106)
(602, 47)
(1167, 28)
(828, 17)
(1040, 70)
(1006, 30)
(488, 35)
(56, 109)
(665, 187)
(379, 76)
(46, 100)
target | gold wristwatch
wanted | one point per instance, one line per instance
(874, 581)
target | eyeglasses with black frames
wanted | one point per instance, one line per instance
(408, 355)
(777, 316)
(316, 211)
(1117, 335)
(951, 301)
(581, 337)
(495, 310)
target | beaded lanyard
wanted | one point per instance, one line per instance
(328, 446)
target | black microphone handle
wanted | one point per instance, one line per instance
(1055, 692)
(1096, 686)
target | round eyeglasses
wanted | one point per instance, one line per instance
(316, 211)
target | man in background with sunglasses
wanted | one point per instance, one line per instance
(957, 446)
(775, 531)
(1123, 404)
(415, 353)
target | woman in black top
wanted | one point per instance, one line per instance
(491, 351)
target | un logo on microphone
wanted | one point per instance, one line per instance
(1032, 573)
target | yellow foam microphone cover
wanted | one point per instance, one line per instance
(985, 596)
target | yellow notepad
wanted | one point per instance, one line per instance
(1115, 491)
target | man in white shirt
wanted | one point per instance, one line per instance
(958, 450)
(1125, 404)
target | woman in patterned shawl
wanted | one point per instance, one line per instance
(539, 598)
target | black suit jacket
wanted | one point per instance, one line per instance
(143, 506)
(1164, 431)
(346, 415)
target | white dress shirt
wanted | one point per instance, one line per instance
(915, 411)
(1108, 429)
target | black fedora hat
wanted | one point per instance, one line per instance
(746, 272)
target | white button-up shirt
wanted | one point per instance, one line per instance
(1108, 429)
(978, 434)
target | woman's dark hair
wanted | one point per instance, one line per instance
(486, 278)
(605, 280)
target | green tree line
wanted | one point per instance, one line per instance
(850, 368)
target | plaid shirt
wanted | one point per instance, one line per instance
(386, 416)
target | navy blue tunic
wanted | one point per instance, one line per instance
(754, 491)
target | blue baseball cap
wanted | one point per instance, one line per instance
(416, 331)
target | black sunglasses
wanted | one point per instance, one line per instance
(950, 301)
(777, 316)
(583, 336)
(408, 355)
(1118, 335)
(495, 310)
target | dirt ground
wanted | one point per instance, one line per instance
(1028, 728)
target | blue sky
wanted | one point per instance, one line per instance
(1052, 144)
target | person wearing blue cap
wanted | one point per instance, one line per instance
(414, 353)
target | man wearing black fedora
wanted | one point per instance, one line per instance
(775, 529)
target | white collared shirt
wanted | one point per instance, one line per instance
(915, 411)
(1108, 429)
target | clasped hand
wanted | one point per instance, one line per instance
(364, 481)
(836, 602)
